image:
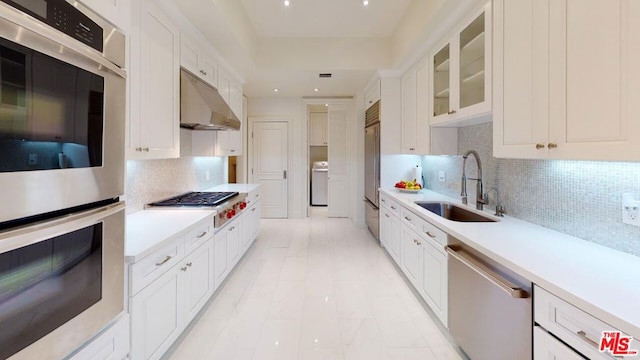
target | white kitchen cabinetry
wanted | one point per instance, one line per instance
(199, 282)
(435, 279)
(194, 58)
(251, 224)
(318, 129)
(229, 143)
(155, 84)
(460, 73)
(390, 233)
(111, 344)
(546, 347)
(564, 86)
(234, 241)
(411, 259)
(118, 12)
(418, 138)
(228, 245)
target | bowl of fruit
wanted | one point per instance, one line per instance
(408, 186)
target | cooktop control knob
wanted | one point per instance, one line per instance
(229, 214)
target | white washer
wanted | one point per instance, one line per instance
(319, 183)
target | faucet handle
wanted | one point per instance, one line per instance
(500, 211)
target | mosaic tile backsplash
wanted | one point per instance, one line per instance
(579, 198)
(153, 180)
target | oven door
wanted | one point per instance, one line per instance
(62, 120)
(61, 281)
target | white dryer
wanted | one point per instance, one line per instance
(319, 183)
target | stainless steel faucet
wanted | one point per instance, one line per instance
(481, 198)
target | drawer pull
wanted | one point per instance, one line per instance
(383, 200)
(387, 215)
(586, 338)
(189, 264)
(183, 268)
(164, 261)
(201, 235)
(408, 218)
(254, 209)
(429, 234)
(495, 279)
(393, 207)
(418, 243)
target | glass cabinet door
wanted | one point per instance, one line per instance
(441, 81)
(472, 63)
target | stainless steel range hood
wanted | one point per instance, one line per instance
(202, 107)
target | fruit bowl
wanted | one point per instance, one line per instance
(409, 190)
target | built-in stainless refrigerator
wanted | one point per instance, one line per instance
(372, 167)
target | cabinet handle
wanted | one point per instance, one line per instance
(201, 235)
(203, 72)
(232, 150)
(387, 215)
(586, 338)
(231, 228)
(183, 268)
(139, 149)
(254, 209)
(412, 149)
(418, 243)
(370, 101)
(189, 264)
(145, 149)
(429, 234)
(451, 112)
(257, 195)
(393, 207)
(539, 146)
(383, 200)
(552, 146)
(408, 218)
(164, 261)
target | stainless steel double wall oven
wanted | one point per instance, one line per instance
(62, 121)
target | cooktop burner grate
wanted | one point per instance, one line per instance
(197, 199)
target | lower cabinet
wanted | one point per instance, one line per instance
(412, 261)
(228, 249)
(199, 281)
(435, 286)
(221, 266)
(111, 344)
(390, 233)
(546, 347)
(251, 225)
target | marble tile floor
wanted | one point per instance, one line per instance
(310, 289)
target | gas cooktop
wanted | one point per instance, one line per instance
(196, 199)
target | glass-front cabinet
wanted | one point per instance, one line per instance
(461, 72)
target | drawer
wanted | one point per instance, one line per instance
(546, 347)
(198, 236)
(573, 326)
(153, 266)
(411, 220)
(252, 197)
(390, 204)
(435, 234)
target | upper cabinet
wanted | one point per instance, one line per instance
(318, 129)
(418, 138)
(566, 79)
(460, 73)
(194, 58)
(229, 143)
(154, 84)
(372, 94)
(118, 12)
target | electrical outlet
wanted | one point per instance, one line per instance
(630, 210)
(441, 176)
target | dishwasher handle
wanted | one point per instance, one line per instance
(504, 285)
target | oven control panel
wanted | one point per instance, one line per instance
(64, 17)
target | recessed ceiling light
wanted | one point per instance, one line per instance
(286, 2)
(316, 90)
(276, 90)
(326, 104)
(365, 2)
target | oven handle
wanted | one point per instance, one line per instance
(24, 236)
(503, 284)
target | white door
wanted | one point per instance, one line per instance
(270, 165)
(338, 179)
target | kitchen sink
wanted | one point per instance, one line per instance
(453, 212)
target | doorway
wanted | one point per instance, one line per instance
(317, 163)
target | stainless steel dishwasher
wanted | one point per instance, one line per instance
(490, 307)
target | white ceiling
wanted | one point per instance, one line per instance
(325, 18)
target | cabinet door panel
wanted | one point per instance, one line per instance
(521, 82)
(199, 279)
(220, 264)
(434, 282)
(394, 237)
(233, 242)
(411, 259)
(156, 316)
(409, 116)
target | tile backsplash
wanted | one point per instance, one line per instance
(152, 180)
(580, 198)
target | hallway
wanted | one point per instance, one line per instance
(314, 289)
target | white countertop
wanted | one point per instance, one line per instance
(601, 281)
(148, 230)
(241, 188)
